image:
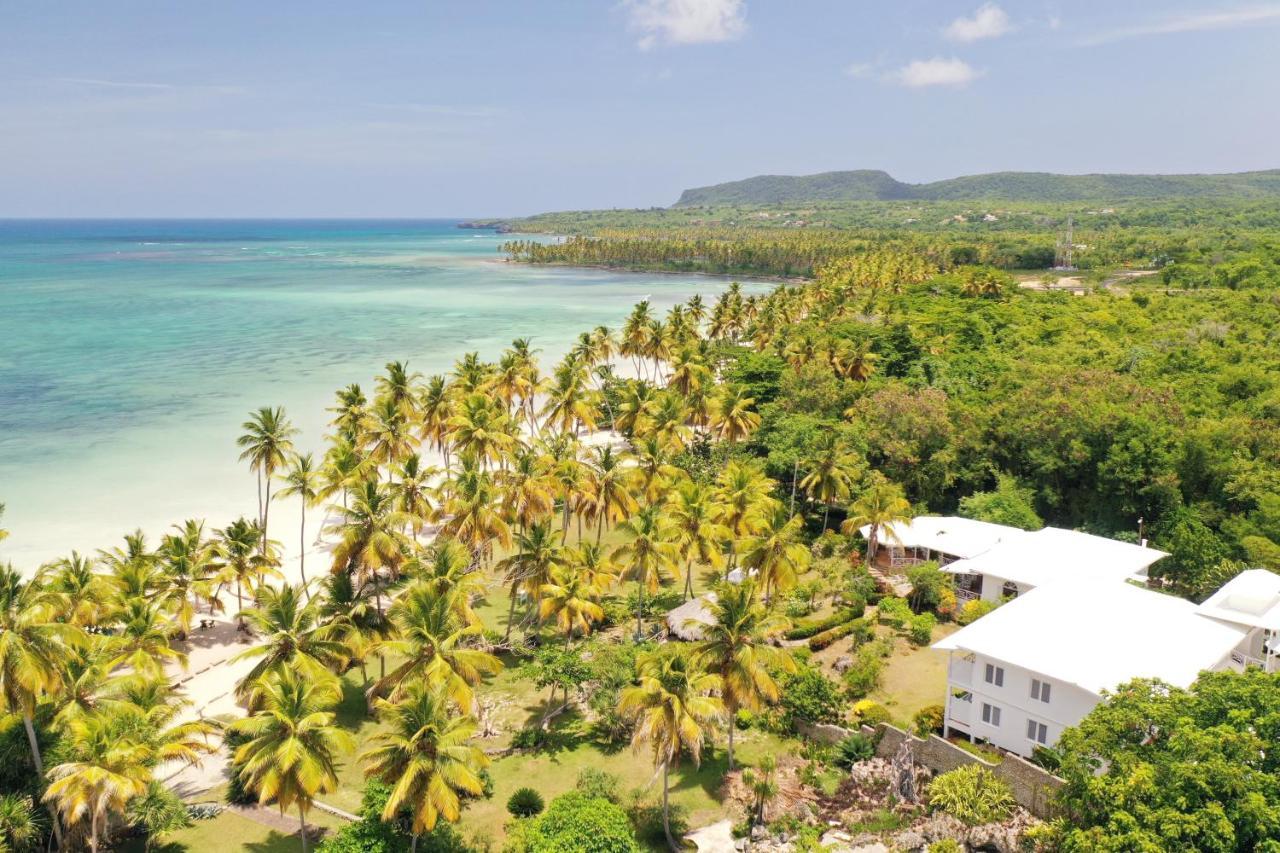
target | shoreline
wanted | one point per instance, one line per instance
(753, 279)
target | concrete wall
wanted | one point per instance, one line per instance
(1033, 787)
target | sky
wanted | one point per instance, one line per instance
(421, 108)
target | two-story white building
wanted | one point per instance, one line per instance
(1037, 665)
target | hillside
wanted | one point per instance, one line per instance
(874, 185)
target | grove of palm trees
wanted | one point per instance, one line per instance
(487, 606)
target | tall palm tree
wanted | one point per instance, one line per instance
(292, 639)
(647, 554)
(33, 651)
(573, 599)
(108, 770)
(400, 385)
(528, 488)
(430, 637)
(83, 594)
(371, 537)
(699, 535)
(736, 647)
(830, 473)
(777, 553)
(733, 415)
(474, 510)
(349, 616)
(426, 756)
(446, 567)
(608, 486)
(294, 743)
(742, 494)
(242, 560)
(267, 443)
(189, 565)
(143, 642)
(529, 569)
(880, 507)
(672, 706)
(412, 492)
(304, 481)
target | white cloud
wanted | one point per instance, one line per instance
(687, 21)
(1192, 23)
(990, 21)
(936, 72)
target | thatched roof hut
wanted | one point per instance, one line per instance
(686, 621)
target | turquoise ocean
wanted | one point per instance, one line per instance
(131, 351)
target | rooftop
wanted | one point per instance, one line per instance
(1098, 642)
(959, 537)
(1052, 554)
(1251, 598)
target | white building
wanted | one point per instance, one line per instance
(932, 537)
(1250, 600)
(1020, 675)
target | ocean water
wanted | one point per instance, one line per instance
(131, 351)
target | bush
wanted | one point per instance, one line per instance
(920, 632)
(868, 665)
(818, 642)
(928, 583)
(646, 817)
(577, 823)
(946, 845)
(893, 612)
(928, 720)
(809, 695)
(598, 784)
(871, 713)
(856, 748)
(974, 610)
(158, 812)
(371, 835)
(806, 628)
(971, 794)
(530, 737)
(525, 802)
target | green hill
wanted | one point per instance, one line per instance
(874, 185)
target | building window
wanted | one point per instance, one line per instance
(1037, 732)
(1040, 690)
(990, 714)
(995, 675)
(1009, 590)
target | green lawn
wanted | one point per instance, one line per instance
(230, 831)
(915, 677)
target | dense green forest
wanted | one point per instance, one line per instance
(868, 184)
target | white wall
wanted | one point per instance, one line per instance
(1067, 704)
(993, 588)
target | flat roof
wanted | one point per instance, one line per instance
(1100, 640)
(959, 537)
(1251, 598)
(1053, 554)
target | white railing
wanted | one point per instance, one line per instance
(963, 595)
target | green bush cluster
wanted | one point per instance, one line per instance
(806, 628)
(525, 802)
(868, 666)
(974, 610)
(920, 629)
(894, 612)
(928, 720)
(971, 794)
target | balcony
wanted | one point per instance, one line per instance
(960, 671)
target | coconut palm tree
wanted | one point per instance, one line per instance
(84, 596)
(733, 415)
(528, 570)
(699, 535)
(647, 554)
(528, 488)
(481, 429)
(742, 494)
(389, 438)
(830, 474)
(189, 566)
(351, 414)
(474, 510)
(344, 469)
(573, 599)
(430, 636)
(736, 647)
(880, 507)
(33, 652)
(371, 538)
(435, 410)
(608, 489)
(20, 826)
(777, 553)
(267, 443)
(294, 743)
(304, 481)
(595, 562)
(412, 492)
(242, 561)
(108, 769)
(672, 706)
(349, 616)
(143, 642)
(426, 756)
(400, 385)
(292, 639)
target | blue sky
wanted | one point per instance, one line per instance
(479, 107)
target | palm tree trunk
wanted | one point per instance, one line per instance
(413, 845)
(29, 724)
(302, 827)
(826, 512)
(600, 526)
(639, 610)
(302, 550)
(93, 832)
(266, 509)
(688, 580)
(732, 716)
(511, 614)
(666, 807)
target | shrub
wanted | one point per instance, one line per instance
(928, 582)
(928, 720)
(871, 713)
(806, 628)
(971, 794)
(371, 835)
(818, 642)
(974, 610)
(947, 604)
(525, 802)
(855, 748)
(920, 632)
(744, 719)
(893, 612)
(946, 845)
(809, 695)
(646, 817)
(578, 823)
(599, 784)
(158, 812)
(868, 665)
(530, 737)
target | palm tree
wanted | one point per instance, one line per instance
(349, 616)
(20, 827)
(83, 594)
(777, 553)
(742, 494)
(733, 415)
(294, 742)
(242, 561)
(529, 569)
(143, 641)
(648, 554)
(528, 488)
(700, 536)
(389, 438)
(608, 489)
(33, 652)
(412, 493)
(351, 414)
(672, 706)
(880, 507)
(446, 567)
(303, 480)
(4, 534)
(292, 639)
(474, 510)
(371, 537)
(109, 769)
(267, 442)
(831, 474)
(400, 386)
(426, 757)
(482, 429)
(573, 598)
(736, 647)
(189, 566)
(430, 636)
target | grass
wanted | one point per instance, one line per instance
(230, 831)
(916, 676)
